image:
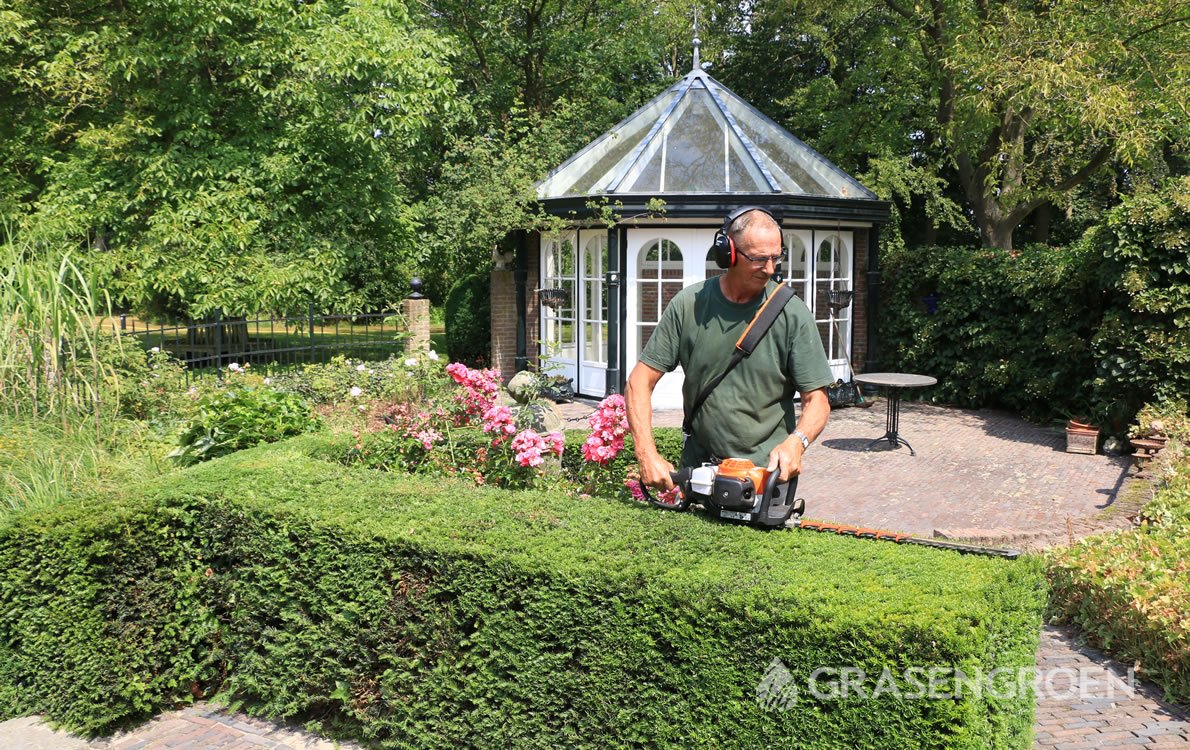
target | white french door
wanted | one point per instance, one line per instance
(817, 262)
(574, 314)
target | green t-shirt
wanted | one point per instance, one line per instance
(752, 410)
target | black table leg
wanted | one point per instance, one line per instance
(892, 424)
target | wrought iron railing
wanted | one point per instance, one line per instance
(211, 346)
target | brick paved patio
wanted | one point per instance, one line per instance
(977, 474)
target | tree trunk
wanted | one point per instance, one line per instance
(996, 232)
(1041, 223)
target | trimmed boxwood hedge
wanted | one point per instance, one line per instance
(429, 614)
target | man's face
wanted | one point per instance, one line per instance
(762, 241)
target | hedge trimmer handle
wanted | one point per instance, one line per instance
(680, 479)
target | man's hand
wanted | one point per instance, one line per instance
(655, 472)
(787, 458)
(816, 410)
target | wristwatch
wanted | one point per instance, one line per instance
(805, 440)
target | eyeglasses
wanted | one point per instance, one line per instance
(774, 259)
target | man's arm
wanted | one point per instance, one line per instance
(654, 470)
(816, 410)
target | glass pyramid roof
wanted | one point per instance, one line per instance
(698, 137)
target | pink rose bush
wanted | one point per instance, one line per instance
(609, 425)
(480, 388)
(499, 421)
(531, 447)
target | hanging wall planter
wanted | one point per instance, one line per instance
(555, 298)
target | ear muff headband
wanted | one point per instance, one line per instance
(723, 247)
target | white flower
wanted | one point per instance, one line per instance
(433, 355)
(411, 362)
(155, 349)
(268, 381)
(360, 368)
(234, 367)
(356, 391)
(362, 408)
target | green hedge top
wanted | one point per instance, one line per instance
(831, 578)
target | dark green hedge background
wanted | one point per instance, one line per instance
(429, 614)
(1094, 329)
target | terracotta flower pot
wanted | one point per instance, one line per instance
(1081, 438)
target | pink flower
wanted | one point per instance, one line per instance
(479, 388)
(498, 419)
(609, 425)
(529, 446)
(557, 442)
(428, 438)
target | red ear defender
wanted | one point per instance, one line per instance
(723, 247)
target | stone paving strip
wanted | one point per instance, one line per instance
(199, 727)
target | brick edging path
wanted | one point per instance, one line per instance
(1085, 700)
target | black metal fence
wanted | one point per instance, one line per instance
(212, 346)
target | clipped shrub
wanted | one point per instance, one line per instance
(1129, 591)
(468, 320)
(1001, 329)
(121, 598)
(423, 613)
(238, 418)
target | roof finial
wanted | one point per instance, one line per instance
(697, 43)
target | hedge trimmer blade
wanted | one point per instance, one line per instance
(860, 532)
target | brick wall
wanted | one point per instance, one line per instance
(859, 303)
(504, 314)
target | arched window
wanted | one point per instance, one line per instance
(659, 278)
(832, 272)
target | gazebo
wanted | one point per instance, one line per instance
(583, 301)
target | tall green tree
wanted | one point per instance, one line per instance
(235, 154)
(541, 78)
(1015, 103)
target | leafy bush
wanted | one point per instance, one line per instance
(1169, 418)
(140, 384)
(412, 378)
(468, 320)
(1129, 591)
(429, 613)
(238, 418)
(1005, 329)
(1097, 328)
(1143, 347)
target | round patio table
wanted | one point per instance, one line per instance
(894, 383)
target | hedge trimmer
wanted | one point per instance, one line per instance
(738, 491)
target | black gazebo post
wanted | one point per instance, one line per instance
(613, 278)
(521, 278)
